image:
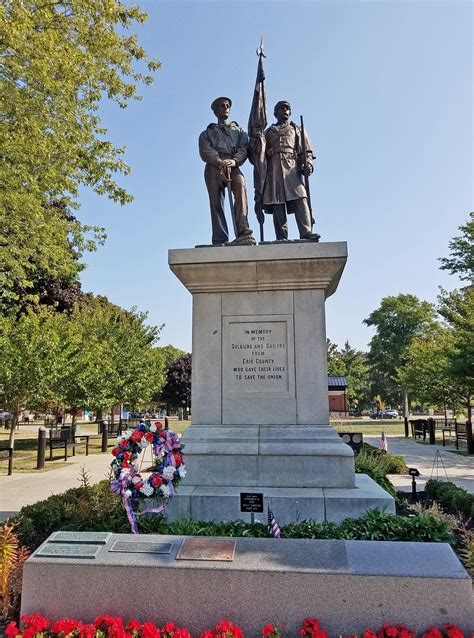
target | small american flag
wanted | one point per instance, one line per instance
(273, 528)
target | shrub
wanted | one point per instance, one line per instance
(373, 465)
(378, 525)
(450, 497)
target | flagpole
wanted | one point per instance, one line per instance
(256, 128)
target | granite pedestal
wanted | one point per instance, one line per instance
(260, 415)
(347, 585)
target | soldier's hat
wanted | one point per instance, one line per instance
(219, 99)
(281, 103)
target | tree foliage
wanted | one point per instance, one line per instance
(461, 260)
(177, 389)
(397, 321)
(352, 364)
(29, 361)
(58, 60)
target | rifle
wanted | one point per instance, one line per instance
(231, 199)
(306, 177)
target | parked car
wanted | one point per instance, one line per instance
(384, 414)
(5, 415)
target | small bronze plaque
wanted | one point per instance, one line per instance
(206, 549)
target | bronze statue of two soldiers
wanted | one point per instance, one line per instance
(282, 157)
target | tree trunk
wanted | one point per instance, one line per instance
(74, 418)
(405, 404)
(11, 439)
(112, 418)
(99, 415)
(469, 410)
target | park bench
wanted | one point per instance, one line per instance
(463, 432)
(6, 454)
(419, 428)
(62, 438)
(66, 438)
(113, 429)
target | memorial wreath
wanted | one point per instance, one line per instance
(166, 472)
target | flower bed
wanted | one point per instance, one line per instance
(36, 626)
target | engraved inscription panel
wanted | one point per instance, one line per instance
(66, 550)
(258, 356)
(140, 547)
(99, 538)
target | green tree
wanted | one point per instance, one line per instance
(397, 322)
(461, 260)
(59, 60)
(336, 365)
(177, 389)
(29, 361)
(457, 309)
(106, 357)
(425, 374)
(357, 373)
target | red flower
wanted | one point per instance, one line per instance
(159, 425)
(123, 443)
(86, 631)
(452, 631)
(37, 622)
(227, 629)
(207, 634)
(124, 464)
(432, 632)
(369, 633)
(178, 459)
(137, 435)
(149, 437)
(133, 625)
(149, 630)
(115, 451)
(181, 632)
(156, 480)
(168, 628)
(65, 626)
(268, 630)
(11, 630)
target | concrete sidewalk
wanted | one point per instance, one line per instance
(449, 466)
(27, 488)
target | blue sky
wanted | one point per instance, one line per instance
(386, 92)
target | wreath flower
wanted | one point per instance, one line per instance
(160, 485)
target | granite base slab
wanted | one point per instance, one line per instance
(219, 503)
(347, 585)
(253, 456)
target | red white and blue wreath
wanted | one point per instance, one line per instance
(167, 471)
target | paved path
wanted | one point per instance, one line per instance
(27, 488)
(460, 469)
(23, 489)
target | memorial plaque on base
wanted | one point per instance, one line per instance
(96, 538)
(251, 502)
(206, 549)
(131, 547)
(68, 550)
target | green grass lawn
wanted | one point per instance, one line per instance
(26, 442)
(371, 427)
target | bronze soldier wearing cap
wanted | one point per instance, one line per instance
(224, 146)
(284, 191)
